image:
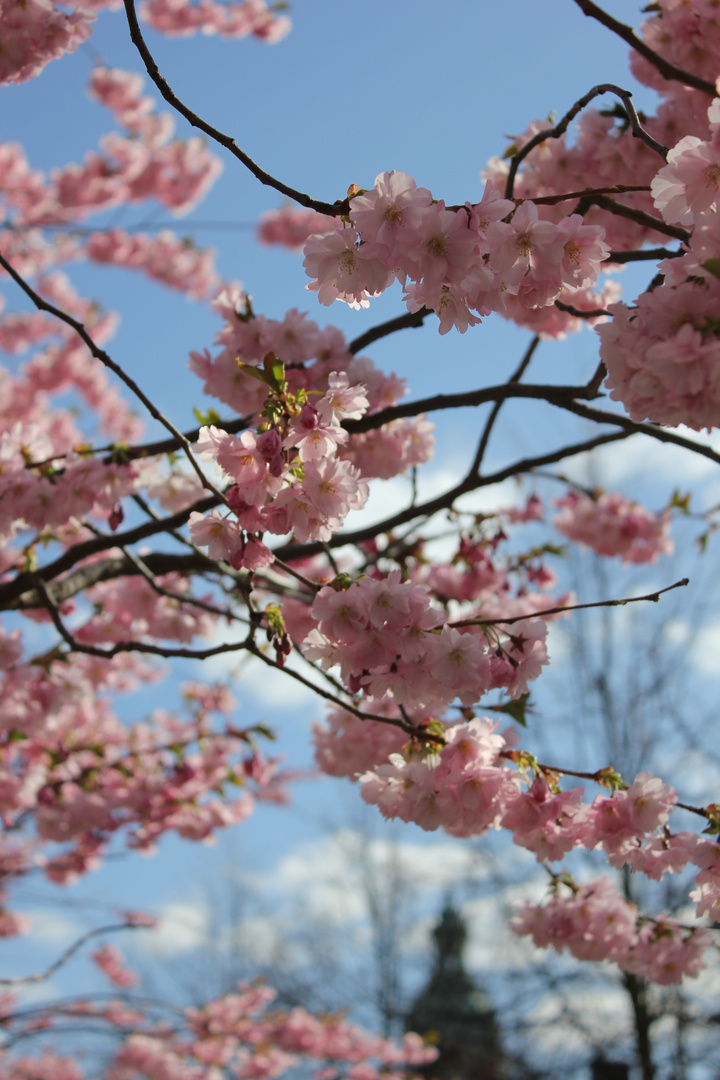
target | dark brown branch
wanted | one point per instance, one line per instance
(446, 500)
(109, 569)
(614, 189)
(495, 411)
(640, 217)
(644, 255)
(580, 313)
(600, 416)
(105, 359)
(469, 399)
(131, 646)
(19, 980)
(169, 446)
(653, 597)
(410, 319)
(341, 206)
(666, 69)
(367, 423)
(75, 554)
(561, 127)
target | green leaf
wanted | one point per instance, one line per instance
(712, 266)
(17, 736)
(264, 730)
(208, 418)
(275, 372)
(341, 583)
(517, 710)
(256, 373)
(680, 502)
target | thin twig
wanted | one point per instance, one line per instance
(402, 322)
(495, 411)
(649, 221)
(655, 431)
(409, 728)
(130, 646)
(614, 189)
(341, 206)
(580, 313)
(17, 980)
(654, 597)
(561, 127)
(667, 70)
(104, 358)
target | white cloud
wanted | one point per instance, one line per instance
(330, 876)
(51, 928)
(705, 654)
(260, 936)
(183, 925)
(622, 463)
(599, 1010)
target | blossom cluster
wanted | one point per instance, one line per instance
(663, 354)
(412, 635)
(240, 1032)
(465, 786)
(596, 923)
(291, 226)
(283, 481)
(610, 524)
(454, 261)
(237, 19)
(37, 31)
(388, 638)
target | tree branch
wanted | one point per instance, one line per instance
(655, 431)
(104, 358)
(667, 70)
(410, 319)
(640, 217)
(495, 411)
(446, 500)
(340, 206)
(64, 957)
(561, 127)
(75, 554)
(467, 399)
(654, 597)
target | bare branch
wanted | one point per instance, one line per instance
(75, 554)
(614, 189)
(104, 358)
(654, 597)
(410, 319)
(655, 431)
(468, 399)
(640, 217)
(64, 957)
(666, 69)
(495, 411)
(341, 206)
(580, 313)
(447, 499)
(132, 646)
(643, 255)
(561, 127)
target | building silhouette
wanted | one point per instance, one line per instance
(455, 1014)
